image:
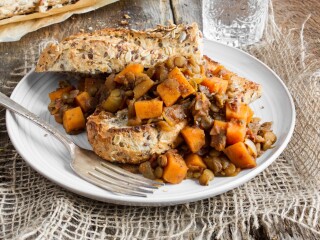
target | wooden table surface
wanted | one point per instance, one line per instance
(15, 57)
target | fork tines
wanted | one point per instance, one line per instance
(118, 180)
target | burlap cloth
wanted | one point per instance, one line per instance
(288, 191)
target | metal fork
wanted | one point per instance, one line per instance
(87, 164)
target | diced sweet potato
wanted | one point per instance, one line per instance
(58, 118)
(164, 126)
(58, 93)
(218, 124)
(143, 87)
(148, 109)
(195, 163)
(215, 67)
(226, 74)
(250, 114)
(237, 112)
(73, 120)
(239, 156)
(194, 137)
(198, 80)
(215, 85)
(185, 87)
(169, 91)
(176, 168)
(236, 131)
(133, 68)
(202, 70)
(82, 100)
(219, 135)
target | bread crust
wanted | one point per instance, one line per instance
(110, 50)
(114, 141)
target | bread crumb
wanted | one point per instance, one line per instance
(164, 189)
(90, 28)
(124, 22)
(126, 16)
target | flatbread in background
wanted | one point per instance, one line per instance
(15, 31)
(50, 12)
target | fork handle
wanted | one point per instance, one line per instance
(22, 111)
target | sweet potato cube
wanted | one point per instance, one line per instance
(176, 168)
(194, 137)
(73, 120)
(215, 67)
(240, 156)
(169, 91)
(82, 100)
(215, 85)
(143, 87)
(250, 114)
(133, 68)
(148, 109)
(58, 93)
(236, 131)
(220, 124)
(237, 112)
(185, 87)
(198, 80)
(58, 118)
(219, 135)
(226, 74)
(195, 163)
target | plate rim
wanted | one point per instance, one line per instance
(225, 188)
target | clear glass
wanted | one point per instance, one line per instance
(234, 22)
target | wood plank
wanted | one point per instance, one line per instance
(187, 11)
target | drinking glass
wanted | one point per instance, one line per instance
(234, 22)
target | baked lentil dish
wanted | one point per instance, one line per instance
(181, 118)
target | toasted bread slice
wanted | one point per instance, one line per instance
(110, 50)
(239, 89)
(114, 141)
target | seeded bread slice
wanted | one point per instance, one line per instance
(10, 8)
(110, 50)
(113, 140)
(240, 90)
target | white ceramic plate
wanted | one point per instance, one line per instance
(49, 157)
